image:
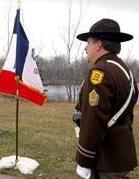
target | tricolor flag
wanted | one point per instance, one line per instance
(20, 64)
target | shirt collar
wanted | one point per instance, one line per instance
(106, 57)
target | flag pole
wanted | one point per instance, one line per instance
(17, 115)
(17, 103)
(18, 4)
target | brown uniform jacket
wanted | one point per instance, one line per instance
(106, 149)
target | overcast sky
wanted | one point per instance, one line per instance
(45, 20)
(127, 5)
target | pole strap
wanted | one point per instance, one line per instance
(120, 112)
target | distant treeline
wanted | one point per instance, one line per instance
(57, 70)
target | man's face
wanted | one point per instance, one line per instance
(91, 49)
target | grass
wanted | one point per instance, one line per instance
(46, 134)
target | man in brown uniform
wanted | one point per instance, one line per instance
(106, 148)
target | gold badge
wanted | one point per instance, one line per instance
(96, 77)
(93, 98)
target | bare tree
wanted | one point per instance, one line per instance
(134, 67)
(8, 28)
(2, 60)
(133, 64)
(68, 37)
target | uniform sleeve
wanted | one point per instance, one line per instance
(96, 109)
(78, 106)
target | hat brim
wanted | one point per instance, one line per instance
(110, 36)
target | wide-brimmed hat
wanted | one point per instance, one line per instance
(106, 29)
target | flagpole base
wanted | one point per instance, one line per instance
(25, 165)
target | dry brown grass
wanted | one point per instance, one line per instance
(46, 134)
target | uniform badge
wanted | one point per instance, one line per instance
(96, 77)
(93, 98)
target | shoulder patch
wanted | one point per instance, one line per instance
(93, 98)
(96, 77)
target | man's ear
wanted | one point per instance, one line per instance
(99, 45)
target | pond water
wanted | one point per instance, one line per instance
(58, 92)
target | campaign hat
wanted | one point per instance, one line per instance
(106, 29)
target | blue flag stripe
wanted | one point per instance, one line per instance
(22, 45)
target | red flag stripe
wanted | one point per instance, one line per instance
(8, 86)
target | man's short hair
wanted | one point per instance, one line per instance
(113, 47)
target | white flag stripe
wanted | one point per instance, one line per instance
(10, 61)
(30, 72)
